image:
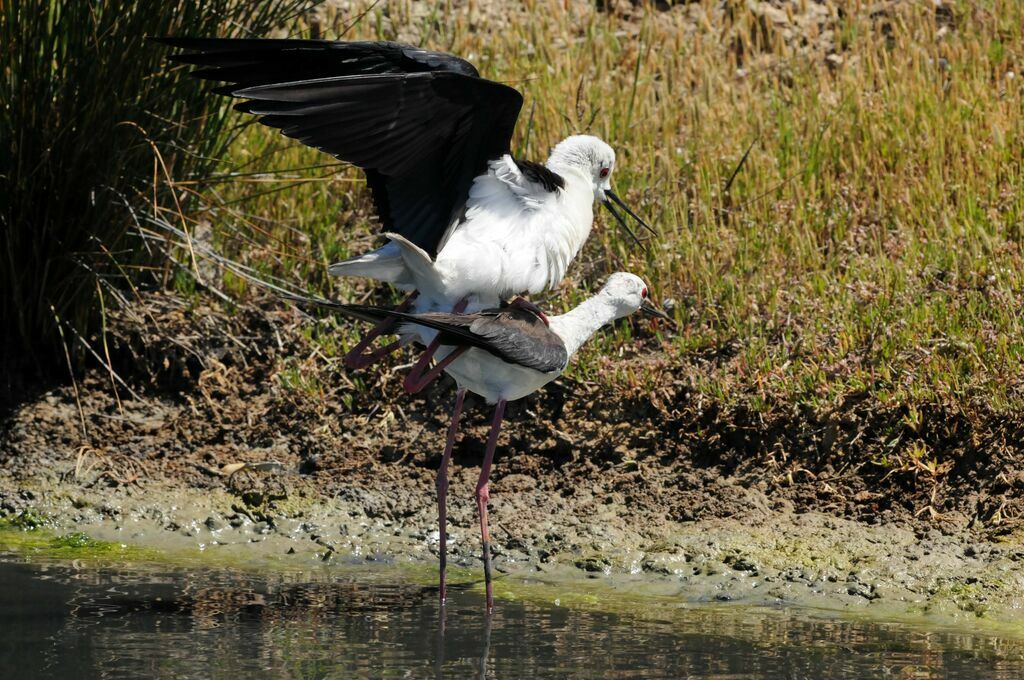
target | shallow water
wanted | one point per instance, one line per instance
(62, 619)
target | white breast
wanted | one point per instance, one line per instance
(484, 374)
(510, 242)
(508, 245)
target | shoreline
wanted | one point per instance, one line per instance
(808, 561)
(224, 443)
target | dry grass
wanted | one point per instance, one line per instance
(869, 245)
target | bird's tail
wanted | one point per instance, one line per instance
(383, 264)
(360, 312)
(418, 264)
(400, 262)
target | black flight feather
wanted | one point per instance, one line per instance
(421, 124)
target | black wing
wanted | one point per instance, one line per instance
(515, 335)
(512, 334)
(421, 124)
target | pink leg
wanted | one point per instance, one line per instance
(483, 495)
(417, 379)
(442, 486)
(358, 357)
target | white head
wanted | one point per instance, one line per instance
(591, 156)
(625, 292)
(621, 295)
(595, 160)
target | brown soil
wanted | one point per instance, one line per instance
(600, 478)
(204, 389)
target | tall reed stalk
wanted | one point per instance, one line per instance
(90, 114)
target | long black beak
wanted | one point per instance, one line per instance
(647, 308)
(619, 202)
(622, 223)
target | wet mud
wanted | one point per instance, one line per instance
(213, 438)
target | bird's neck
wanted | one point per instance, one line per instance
(577, 197)
(577, 325)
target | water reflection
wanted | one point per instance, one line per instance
(61, 621)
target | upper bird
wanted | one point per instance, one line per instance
(468, 225)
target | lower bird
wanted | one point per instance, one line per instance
(503, 355)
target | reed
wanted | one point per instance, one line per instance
(89, 116)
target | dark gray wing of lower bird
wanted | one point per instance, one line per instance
(516, 335)
(512, 334)
(420, 124)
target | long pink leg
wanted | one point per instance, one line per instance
(442, 487)
(483, 495)
(358, 357)
(416, 380)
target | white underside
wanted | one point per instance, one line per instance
(484, 374)
(515, 238)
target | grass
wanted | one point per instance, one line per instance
(870, 243)
(839, 201)
(89, 117)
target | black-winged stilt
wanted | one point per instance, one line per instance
(503, 355)
(468, 225)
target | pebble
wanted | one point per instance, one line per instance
(591, 564)
(862, 590)
(744, 564)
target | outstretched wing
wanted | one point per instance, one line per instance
(421, 124)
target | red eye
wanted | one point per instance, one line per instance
(604, 172)
(643, 293)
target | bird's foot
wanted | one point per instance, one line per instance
(359, 357)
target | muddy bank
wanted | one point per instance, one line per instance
(631, 485)
(785, 559)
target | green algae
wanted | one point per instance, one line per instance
(30, 538)
(29, 520)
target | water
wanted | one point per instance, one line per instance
(63, 621)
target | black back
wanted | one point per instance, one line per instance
(538, 173)
(421, 124)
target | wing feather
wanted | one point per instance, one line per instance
(514, 335)
(421, 124)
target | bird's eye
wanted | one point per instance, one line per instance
(643, 293)
(604, 172)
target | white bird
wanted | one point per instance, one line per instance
(503, 355)
(468, 225)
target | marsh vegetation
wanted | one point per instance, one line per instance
(838, 193)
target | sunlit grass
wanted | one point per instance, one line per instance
(869, 244)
